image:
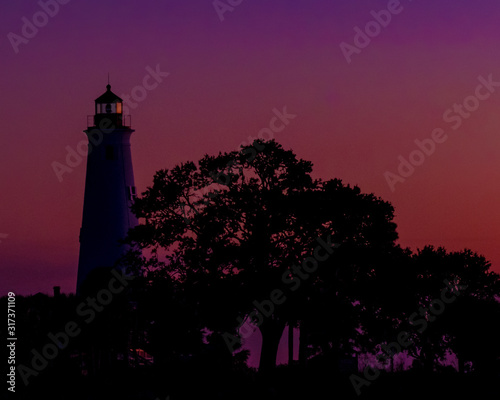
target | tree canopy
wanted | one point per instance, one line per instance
(235, 238)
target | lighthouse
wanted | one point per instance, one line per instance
(109, 187)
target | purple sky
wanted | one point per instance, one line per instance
(353, 119)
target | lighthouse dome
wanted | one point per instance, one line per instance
(108, 103)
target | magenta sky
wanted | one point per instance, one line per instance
(226, 77)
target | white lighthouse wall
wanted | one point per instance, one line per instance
(106, 210)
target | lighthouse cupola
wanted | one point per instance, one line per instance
(109, 106)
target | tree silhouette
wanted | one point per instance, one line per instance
(250, 235)
(232, 230)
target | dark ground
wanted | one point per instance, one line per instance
(189, 382)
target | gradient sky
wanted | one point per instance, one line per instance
(353, 119)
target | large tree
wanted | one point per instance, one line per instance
(236, 228)
(469, 312)
(442, 299)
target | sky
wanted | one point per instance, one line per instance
(362, 104)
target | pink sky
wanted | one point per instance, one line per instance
(353, 119)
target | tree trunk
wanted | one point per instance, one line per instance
(290, 343)
(428, 356)
(302, 344)
(271, 334)
(461, 365)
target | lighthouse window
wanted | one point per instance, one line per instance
(110, 153)
(132, 192)
(107, 108)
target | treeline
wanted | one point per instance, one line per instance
(250, 240)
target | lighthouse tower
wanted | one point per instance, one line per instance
(109, 187)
